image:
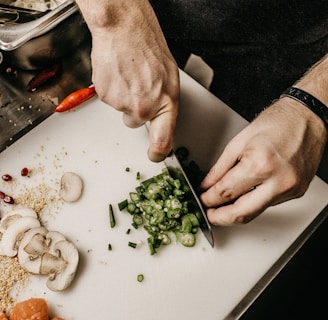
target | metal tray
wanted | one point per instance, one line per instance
(18, 26)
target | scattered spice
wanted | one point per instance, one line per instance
(7, 177)
(24, 172)
(12, 276)
(8, 199)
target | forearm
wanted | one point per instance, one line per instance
(109, 14)
(315, 81)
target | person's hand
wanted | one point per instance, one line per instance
(133, 69)
(271, 161)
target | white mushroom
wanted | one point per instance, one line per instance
(14, 215)
(52, 238)
(71, 186)
(39, 251)
(31, 249)
(61, 268)
(14, 233)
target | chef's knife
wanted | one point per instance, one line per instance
(173, 165)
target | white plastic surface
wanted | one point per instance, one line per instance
(180, 283)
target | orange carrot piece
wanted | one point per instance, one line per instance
(3, 316)
(34, 308)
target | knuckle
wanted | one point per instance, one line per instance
(264, 165)
(293, 184)
(226, 194)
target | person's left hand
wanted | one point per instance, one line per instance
(271, 161)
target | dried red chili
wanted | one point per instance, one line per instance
(43, 76)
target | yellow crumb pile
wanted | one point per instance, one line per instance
(12, 277)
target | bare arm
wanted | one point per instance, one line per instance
(272, 160)
(133, 69)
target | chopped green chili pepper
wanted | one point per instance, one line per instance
(138, 176)
(140, 277)
(111, 217)
(131, 207)
(123, 204)
(163, 204)
(132, 244)
(187, 239)
(134, 225)
(127, 169)
(137, 219)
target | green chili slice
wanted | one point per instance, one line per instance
(111, 217)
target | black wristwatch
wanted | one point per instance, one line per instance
(309, 101)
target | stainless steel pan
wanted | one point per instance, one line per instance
(33, 40)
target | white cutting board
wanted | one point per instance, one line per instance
(180, 283)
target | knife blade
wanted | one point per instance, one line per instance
(173, 165)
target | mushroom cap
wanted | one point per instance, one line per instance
(71, 186)
(14, 233)
(31, 248)
(64, 277)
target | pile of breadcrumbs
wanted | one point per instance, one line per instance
(12, 277)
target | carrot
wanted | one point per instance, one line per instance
(3, 316)
(34, 308)
(75, 98)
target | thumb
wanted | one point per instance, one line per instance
(161, 135)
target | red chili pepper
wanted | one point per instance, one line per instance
(43, 76)
(76, 98)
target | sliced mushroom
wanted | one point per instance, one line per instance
(61, 268)
(71, 186)
(51, 264)
(31, 249)
(14, 215)
(14, 233)
(52, 238)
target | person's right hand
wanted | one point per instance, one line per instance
(133, 69)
